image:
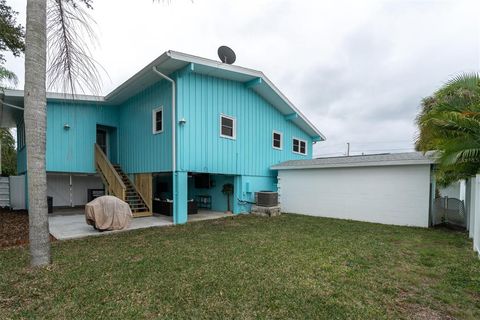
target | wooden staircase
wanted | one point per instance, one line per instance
(118, 184)
(132, 196)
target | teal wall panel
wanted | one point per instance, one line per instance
(219, 200)
(72, 150)
(140, 149)
(22, 160)
(245, 188)
(201, 101)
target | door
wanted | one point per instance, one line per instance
(102, 140)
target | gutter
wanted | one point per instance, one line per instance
(174, 123)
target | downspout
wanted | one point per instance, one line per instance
(174, 124)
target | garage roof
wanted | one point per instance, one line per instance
(385, 159)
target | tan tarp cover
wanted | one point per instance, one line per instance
(108, 213)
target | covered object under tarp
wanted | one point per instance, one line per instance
(108, 213)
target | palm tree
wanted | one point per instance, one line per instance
(35, 130)
(71, 68)
(450, 123)
(70, 65)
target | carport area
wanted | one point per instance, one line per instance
(70, 223)
(395, 188)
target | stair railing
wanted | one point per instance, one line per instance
(114, 183)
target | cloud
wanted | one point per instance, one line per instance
(357, 69)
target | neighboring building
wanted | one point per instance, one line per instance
(392, 188)
(229, 125)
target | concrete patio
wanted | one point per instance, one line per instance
(70, 224)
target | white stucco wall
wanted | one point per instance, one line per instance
(64, 195)
(398, 195)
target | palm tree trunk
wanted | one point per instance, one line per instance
(35, 130)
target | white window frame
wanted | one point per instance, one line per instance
(281, 140)
(154, 120)
(234, 129)
(299, 148)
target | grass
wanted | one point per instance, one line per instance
(247, 267)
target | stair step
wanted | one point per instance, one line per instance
(137, 205)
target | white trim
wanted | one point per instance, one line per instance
(281, 140)
(154, 120)
(234, 129)
(306, 146)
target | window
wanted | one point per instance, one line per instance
(277, 142)
(227, 127)
(157, 120)
(299, 146)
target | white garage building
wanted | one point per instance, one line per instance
(392, 188)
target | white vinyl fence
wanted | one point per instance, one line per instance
(472, 201)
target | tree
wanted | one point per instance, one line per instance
(9, 154)
(67, 66)
(450, 123)
(11, 39)
(71, 68)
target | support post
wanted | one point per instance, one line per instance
(180, 191)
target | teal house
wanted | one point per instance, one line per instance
(180, 133)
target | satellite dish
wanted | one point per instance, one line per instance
(226, 55)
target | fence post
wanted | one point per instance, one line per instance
(476, 219)
(468, 197)
(472, 206)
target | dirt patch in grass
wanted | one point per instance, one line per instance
(14, 228)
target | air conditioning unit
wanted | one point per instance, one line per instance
(267, 199)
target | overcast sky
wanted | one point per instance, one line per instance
(356, 69)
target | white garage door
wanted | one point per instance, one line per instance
(385, 194)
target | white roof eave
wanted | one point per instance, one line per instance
(353, 165)
(187, 58)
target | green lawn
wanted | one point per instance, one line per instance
(249, 267)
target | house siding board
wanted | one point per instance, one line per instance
(141, 151)
(22, 161)
(72, 150)
(201, 101)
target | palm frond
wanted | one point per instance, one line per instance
(469, 81)
(7, 77)
(71, 67)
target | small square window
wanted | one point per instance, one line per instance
(277, 140)
(299, 146)
(157, 120)
(227, 127)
